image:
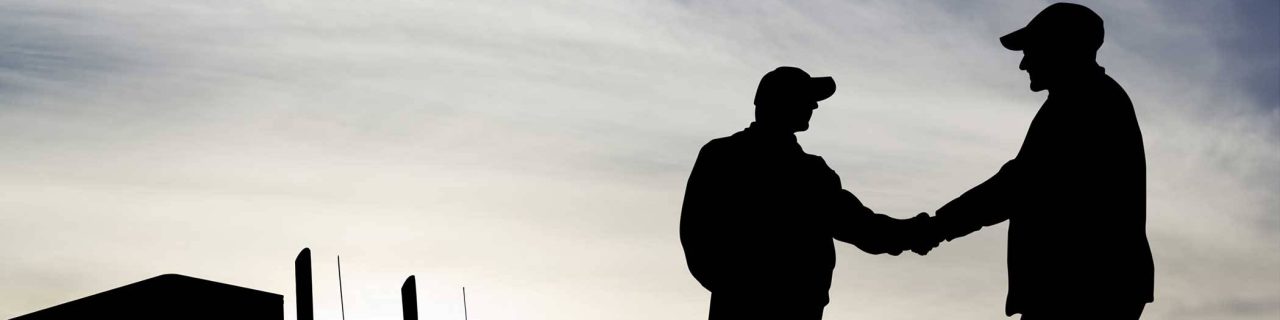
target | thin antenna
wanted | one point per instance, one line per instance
(464, 303)
(341, 301)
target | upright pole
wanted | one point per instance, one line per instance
(464, 303)
(302, 281)
(409, 297)
(341, 302)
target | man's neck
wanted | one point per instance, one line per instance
(770, 129)
(1075, 76)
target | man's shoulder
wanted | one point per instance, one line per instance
(724, 144)
(816, 159)
(1102, 90)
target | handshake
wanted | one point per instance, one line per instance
(919, 234)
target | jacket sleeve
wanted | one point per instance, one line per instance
(871, 232)
(987, 204)
(854, 223)
(703, 201)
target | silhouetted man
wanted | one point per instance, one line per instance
(1075, 195)
(759, 213)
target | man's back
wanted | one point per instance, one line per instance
(760, 215)
(754, 222)
(1078, 228)
(1075, 200)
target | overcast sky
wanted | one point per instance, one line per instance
(536, 151)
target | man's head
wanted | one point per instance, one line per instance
(1061, 39)
(787, 97)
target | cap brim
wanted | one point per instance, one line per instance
(1016, 41)
(822, 88)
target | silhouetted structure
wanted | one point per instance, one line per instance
(302, 283)
(760, 214)
(409, 298)
(170, 296)
(1075, 195)
(173, 296)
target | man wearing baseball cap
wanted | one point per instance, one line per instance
(1075, 194)
(760, 214)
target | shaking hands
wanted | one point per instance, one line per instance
(921, 234)
(876, 233)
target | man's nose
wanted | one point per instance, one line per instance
(1022, 65)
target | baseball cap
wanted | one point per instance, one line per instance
(792, 85)
(1061, 26)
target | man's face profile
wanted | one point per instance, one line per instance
(1033, 64)
(792, 117)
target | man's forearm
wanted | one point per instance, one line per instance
(986, 204)
(871, 232)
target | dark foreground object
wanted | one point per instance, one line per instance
(170, 296)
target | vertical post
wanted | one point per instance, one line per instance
(409, 298)
(464, 303)
(341, 302)
(302, 281)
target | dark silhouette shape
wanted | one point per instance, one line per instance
(302, 282)
(1075, 195)
(170, 296)
(173, 296)
(409, 298)
(342, 302)
(760, 214)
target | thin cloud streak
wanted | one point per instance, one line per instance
(536, 152)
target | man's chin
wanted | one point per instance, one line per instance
(1036, 87)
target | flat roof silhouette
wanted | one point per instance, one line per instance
(170, 296)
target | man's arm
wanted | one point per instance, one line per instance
(872, 232)
(987, 204)
(858, 225)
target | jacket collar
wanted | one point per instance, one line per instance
(1082, 77)
(772, 138)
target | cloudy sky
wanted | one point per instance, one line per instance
(536, 151)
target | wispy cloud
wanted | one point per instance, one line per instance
(536, 152)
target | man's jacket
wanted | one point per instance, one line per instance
(1075, 198)
(759, 217)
